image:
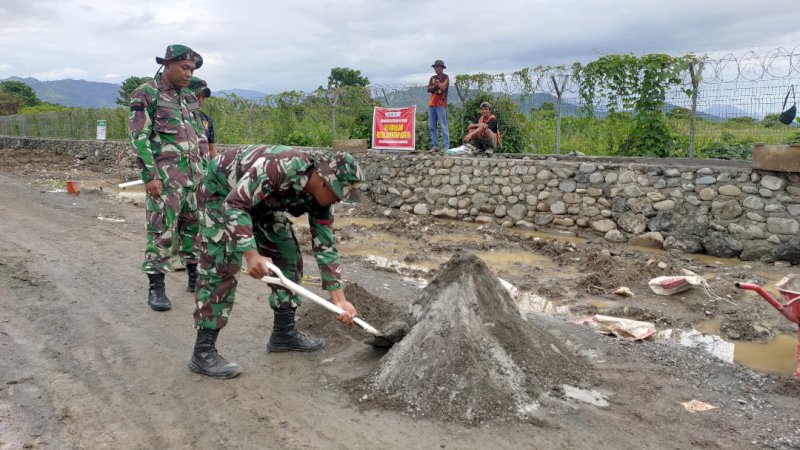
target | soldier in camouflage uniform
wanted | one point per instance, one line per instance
(247, 194)
(165, 130)
(208, 147)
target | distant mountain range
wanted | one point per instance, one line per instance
(244, 93)
(93, 94)
(82, 93)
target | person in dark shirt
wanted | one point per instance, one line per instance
(482, 133)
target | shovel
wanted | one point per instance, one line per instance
(397, 330)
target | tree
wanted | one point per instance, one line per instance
(9, 104)
(679, 113)
(639, 84)
(18, 89)
(128, 86)
(343, 76)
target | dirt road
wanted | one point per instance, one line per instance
(86, 364)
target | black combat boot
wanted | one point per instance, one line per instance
(191, 271)
(286, 338)
(156, 296)
(206, 360)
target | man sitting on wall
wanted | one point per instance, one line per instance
(482, 133)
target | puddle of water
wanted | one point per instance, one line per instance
(530, 302)
(511, 261)
(459, 237)
(367, 222)
(716, 260)
(397, 266)
(710, 327)
(379, 244)
(546, 235)
(777, 357)
(599, 304)
(706, 259)
(386, 245)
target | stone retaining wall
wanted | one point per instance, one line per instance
(717, 207)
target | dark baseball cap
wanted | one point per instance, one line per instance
(178, 52)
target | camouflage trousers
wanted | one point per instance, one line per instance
(219, 264)
(170, 216)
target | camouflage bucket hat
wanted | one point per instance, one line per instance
(341, 174)
(199, 87)
(439, 62)
(177, 52)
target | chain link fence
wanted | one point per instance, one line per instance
(735, 104)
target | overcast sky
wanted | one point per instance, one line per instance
(275, 46)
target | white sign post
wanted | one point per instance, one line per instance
(101, 130)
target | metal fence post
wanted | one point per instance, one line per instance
(695, 74)
(559, 92)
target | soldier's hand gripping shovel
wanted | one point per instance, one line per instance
(397, 330)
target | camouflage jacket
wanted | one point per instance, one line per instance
(259, 180)
(164, 125)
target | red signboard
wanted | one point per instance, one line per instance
(393, 128)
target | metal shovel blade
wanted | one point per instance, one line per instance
(392, 334)
(380, 339)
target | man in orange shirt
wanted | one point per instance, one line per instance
(482, 133)
(437, 105)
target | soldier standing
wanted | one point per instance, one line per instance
(165, 130)
(247, 194)
(208, 147)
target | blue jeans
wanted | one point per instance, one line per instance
(438, 114)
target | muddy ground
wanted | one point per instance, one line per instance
(86, 364)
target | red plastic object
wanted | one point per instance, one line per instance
(790, 309)
(73, 187)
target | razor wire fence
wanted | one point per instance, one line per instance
(721, 106)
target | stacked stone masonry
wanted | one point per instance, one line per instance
(726, 210)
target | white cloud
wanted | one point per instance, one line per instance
(293, 45)
(60, 74)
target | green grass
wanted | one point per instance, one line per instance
(311, 126)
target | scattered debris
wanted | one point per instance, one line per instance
(109, 219)
(708, 342)
(623, 291)
(697, 406)
(591, 397)
(673, 285)
(512, 290)
(624, 328)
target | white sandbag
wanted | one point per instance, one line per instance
(674, 284)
